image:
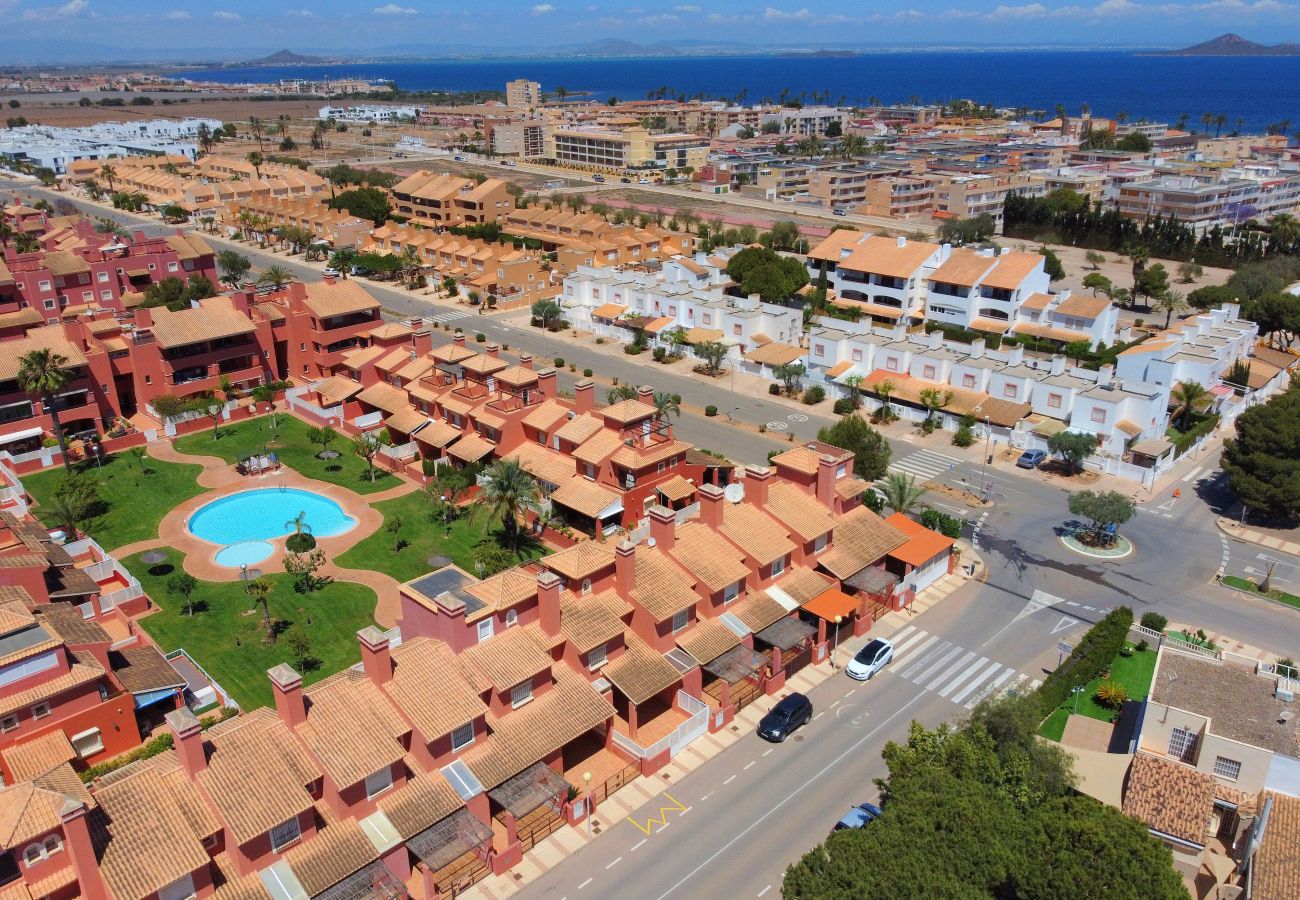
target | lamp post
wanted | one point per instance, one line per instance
(586, 787)
(835, 643)
(1076, 690)
(988, 435)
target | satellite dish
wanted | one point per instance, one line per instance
(650, 542)
(734, 492)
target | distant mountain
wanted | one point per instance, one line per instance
(1234, 45)
(285, 58)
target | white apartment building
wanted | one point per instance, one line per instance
(55, 148)
(1200, 349)
(686, 293)
(807, 120)
(369, 112)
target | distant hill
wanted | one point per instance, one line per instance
(285, 58)
(1234, 45)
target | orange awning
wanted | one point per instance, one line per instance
(830, 603)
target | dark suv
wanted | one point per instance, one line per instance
(791, 713)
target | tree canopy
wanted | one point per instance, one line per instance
(765, 272)
(1073, 447)
(364, 203)
(1263, 461)
(869, 448)
(1102, 509)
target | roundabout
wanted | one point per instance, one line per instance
(1120, 547)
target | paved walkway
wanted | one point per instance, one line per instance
(1239, 532)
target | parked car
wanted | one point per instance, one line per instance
(331, 273)
(1031, 459)
(873, 657)
(458, 158)
(859, 816)
(626, 180)
(782, 720)
(839, 211)
(360, 270)
(597, 177)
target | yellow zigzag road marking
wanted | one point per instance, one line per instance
(662, 818)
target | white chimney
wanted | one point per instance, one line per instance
(902, 241)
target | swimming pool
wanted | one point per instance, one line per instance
(266, 513)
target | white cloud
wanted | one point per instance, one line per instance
(688, 8)
(1104, 10)
(299, 13)
(542, 9)
(392, 9)
(771, 14)
(177, 15)
(227, 16)
(65, 11)
(658, 19)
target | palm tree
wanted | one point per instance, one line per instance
(108, 173)
(26, 243)
(255, 160)
(6, 232)
(1207, 119)
(275, 277)
(299, 524)
(666, 406)
(852, 145)
(259, 589)
(1284, 229)
(234, 266)
(884, 389)
(1219, 121)
(1171, 302)
(1187, 394)
(44, 373)
(901, 492)
(258, 129)
(620, 392)
(510, 491)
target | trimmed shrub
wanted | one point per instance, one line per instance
(814, 394)
(963, 437)
(300, 542)
(948, 526)
(774, 390)
(480, 337)
(843, 406)
(1154, 621)
(659, 353)
(586, 373)
(1092, 656)
(632, 349)
(710, 410)
(559, 362)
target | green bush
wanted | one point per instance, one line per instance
(843, 406)
(710, 410)
(300, 542)
(559, 362)
(1141, 646)
(632, 349)
(1154, 621)
(150, 748)
(814, 394)
(1092, 656)
(659, 353)
(774, 390)
(677, 398)
(948, 526)
(429, 467)
(480, 337)
(964, 437)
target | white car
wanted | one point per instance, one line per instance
(331, 273)
(877, 654)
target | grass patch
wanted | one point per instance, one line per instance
(135, 494)
(228, 643)
(423, 538)
(1133, 673)
(289, 442)
(1249, 587)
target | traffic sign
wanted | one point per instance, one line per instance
(1064, 647)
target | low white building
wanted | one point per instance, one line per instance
(1201, 349)
(54, 148)
(369, 112)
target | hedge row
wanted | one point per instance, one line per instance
(1090, 658)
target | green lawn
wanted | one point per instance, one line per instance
(227, 641)
(422, 539)
(290, 443)
(1133, 672)
(135, 496)
(1249, 587)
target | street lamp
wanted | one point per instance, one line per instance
(1076, 690)
(586, 787)
(836, 641)
(988, 435)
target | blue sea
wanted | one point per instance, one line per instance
(1255, 90)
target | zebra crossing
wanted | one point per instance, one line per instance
(446, 317)
(924, 465)
(952, 671)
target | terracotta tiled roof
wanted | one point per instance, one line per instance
(627, 411)
(831, 245)
(883, 256)
(233, 886)
(1083, 307)
(584, 496)
(707, 640)
(338, 299)
(1001, 412)
(580, 428)
(1036, 301)
(661, 589)
(707, 556)
(141, 838)
(702, 335)
(38, 755)
(1275, 870)
(638, 458)
(27, 811)
(801, 512)
(608, 311)
(351, 728)
(430, 688)
(64, 262)
(332, 854)
(675, 488)
(438, 435)
(757, 534)
(452, 353)
(922, 544)
(545, 416)
(639, 672)
(256, 774)
(508, 659)
(802, 584)
(389, 331)
(963, 267)
(358, 358)
(851, 487)
(599, 447)
(49, 337)
(758, 611)
(580, 561)
(502, 591)
(144, 669)
(1012, 269)
(471, 448)
(213, 319)
(382, 395)
(775, 354)
(425, 799)
(80, 673)
(545, 465)
(1170, 797)
(860, 538)
(482, 364)
(591, 621)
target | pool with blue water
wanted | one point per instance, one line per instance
(250, 517)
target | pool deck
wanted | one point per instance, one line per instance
(224, 480)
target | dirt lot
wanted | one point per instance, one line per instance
(60, 109)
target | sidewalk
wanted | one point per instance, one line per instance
(645, 792)
(1228, 643)
(1239, 532)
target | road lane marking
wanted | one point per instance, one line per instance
(613, 863)
(978, 680)
(797, 792)
(849, 693)
(765, 890)
(585, 883)
(637, 845)
(819, 715)
(951, 686)
(662, 817)
(729, 781)
(706, 796)
(748, 764)
(833, 705)
(768, 750)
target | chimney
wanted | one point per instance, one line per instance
(1106, 375)
(977, 348)
(1058, 364)
(422, 341)
(329, 279)
(548, 601)
(242, 301)
(935, 339)
(187, 737)
(458, 339)
(900, 331)
(902, 241)
(526, 360)
(646, 394)
(826, 469)
(289, 702)
(625, 568)
(546, 379)
(142, 317)
(1015, 355)
(493, 350)
(711, 500)
(76, 834)
(376, 657)
(756, 480)
(663, 527)
(584, 396)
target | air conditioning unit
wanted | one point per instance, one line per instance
(1285, 690)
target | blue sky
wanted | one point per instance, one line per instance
(304, 26)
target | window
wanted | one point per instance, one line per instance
(841, 470)
(103, 277)
(778, 566)
(968, 381)
(927, 371)
(819, 349)
(40, 710)
(512, 617)
(1009, 391)
(1098, 415)
(462, 737)
(521, 694)
(586, 585)
(485, 629)
(38, 852)
(379, 782)
(53, 844)
(891, 364)
(1227, 768)
(88, 743)
(9, 723)
(731, 592)
(735, 329)
(1054, 401)
(1182, 744)
(285, 834)
(33, 854)
(856, 356)
(820, 543)
(105, 295)
(87, 295)
(596, 657)
(681, 620)
(180, 889)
